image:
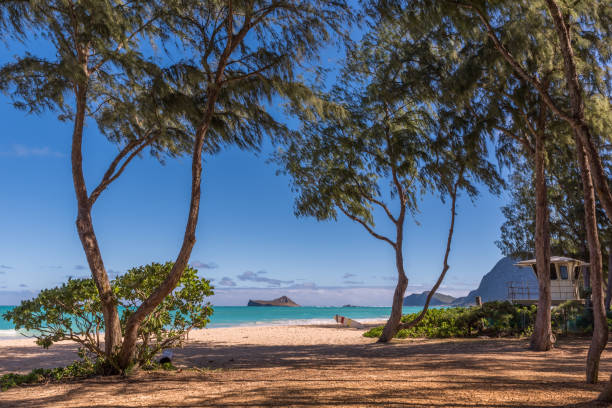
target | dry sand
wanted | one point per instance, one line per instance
(322, 366)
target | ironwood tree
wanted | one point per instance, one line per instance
(580, 34)
(237, 57)
(387, 149)
(506, 108)
(589, 24)
(96, 72)
(233, 58)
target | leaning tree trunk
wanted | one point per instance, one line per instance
(542, 338)
(609, 285)
(128, 348)
(391, 328)
(600, 323)
(445, 267)
(84, 224)
(130, 338)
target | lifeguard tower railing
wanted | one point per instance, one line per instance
(527, 293)
(522, 292)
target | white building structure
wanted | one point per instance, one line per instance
(565, 281)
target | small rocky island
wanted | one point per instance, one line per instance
(281, 301)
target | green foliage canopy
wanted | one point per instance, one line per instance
(97, 60)
(391, 134)
(235, 59)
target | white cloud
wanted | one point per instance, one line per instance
(204, 265)
(227, 281)
(13, 297)
(19, 150)
(256, 277)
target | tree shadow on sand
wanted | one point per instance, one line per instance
(441, 373)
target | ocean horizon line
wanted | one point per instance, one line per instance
(241, 316)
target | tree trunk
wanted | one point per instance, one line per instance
(391, 328)
(445, 268)
(112, 326)
(128, 348)
(542, 338)
(112, 323)
(609, 286)
(600, 323)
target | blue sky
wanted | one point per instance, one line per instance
(248, 239)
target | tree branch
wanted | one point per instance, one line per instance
(250, 74)
(375, 201)
(122, 44)
(367, 227)
(515, 65)
(135, 147)
(445, 267)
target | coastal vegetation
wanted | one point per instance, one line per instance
(537, 73)
(494, 319)
(78, 370)
(73, 311)
(393, 143)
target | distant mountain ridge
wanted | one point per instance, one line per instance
(281, 301)
(493, 285)
(418, 299)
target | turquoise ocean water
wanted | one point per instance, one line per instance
(228, 316)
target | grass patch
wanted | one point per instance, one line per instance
(84, 368)
(77, 370)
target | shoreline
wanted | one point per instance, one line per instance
(21, 354)
(11, 334)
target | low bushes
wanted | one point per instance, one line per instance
(493, 319)
(573, 317)
(83, 368)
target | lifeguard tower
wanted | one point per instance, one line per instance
(566, 282)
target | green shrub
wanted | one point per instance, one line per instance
(72, 311)
(495, 319)
(492, 319)
(571, 316)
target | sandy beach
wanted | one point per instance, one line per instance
(322, 366)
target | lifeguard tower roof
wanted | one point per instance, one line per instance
(554, 260)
